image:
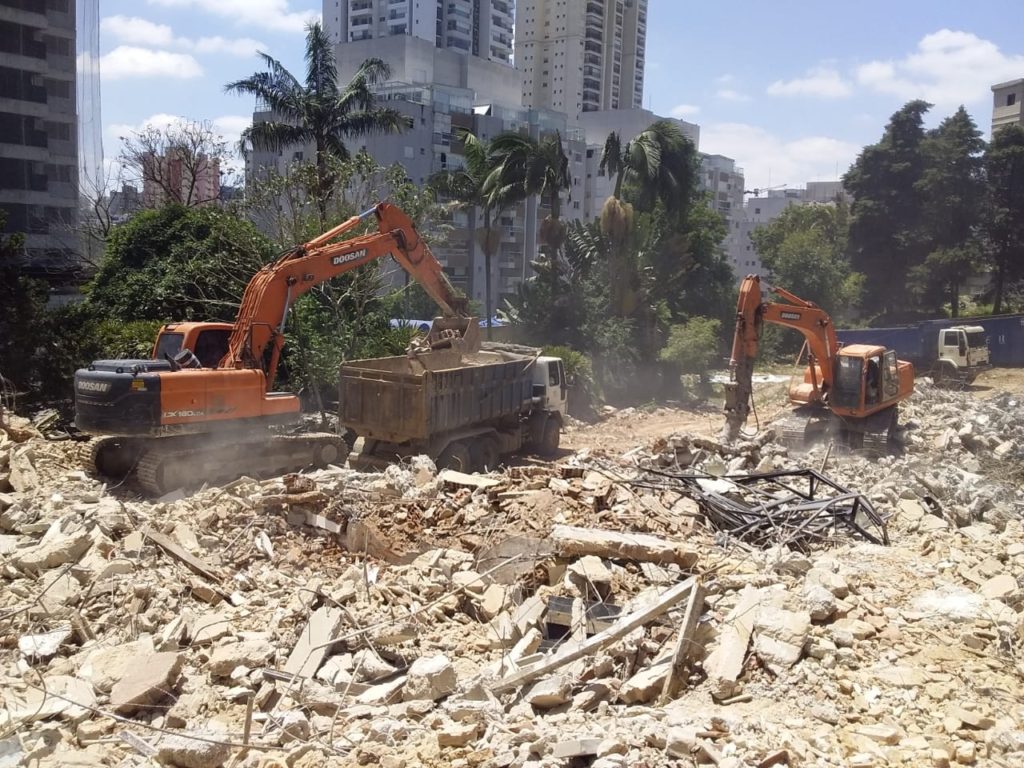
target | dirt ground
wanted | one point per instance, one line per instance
(627, 428)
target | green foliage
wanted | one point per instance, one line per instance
(693, 345)
(886, 218)
(804, 249)
(693, 348)
(953, 190)
(177, 263)
(22, 310)
(1003, 223)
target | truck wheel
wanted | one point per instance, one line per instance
(487, 452)
(551, 438)
(455, 456)
(945, 374)
(329, 453)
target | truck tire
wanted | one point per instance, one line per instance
(550, 438)
(945, 374)
(456, 456)
(487, 454)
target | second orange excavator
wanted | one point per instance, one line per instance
(201, 408)
(848, 393)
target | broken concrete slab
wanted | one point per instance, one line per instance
(550, 692)
(645, 685)
(430, 677)
(44, 644)
(780, 637)
(571, 541)
(248, 653)
(726, 661)
(105, 666)
(200, 749)
(148, 681)
(54, 550)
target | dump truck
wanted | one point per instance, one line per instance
(949, 354)
(464, 410)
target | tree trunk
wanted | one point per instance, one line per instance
(954, 299)
(487, 273)
(321, 183)
(997, 301)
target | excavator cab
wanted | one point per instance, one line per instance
(868, 379)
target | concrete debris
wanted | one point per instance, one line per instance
(201, 749)
(430, 677)
(583, 612)
(148, 680)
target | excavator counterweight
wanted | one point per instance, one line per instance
(202, 408)
(849, 394)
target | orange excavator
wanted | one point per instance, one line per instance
(201, 409)
(848, 393)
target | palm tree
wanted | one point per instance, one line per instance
(661, 165)
(468, 186)
(528, 166)
(317, 111)
(660, 162)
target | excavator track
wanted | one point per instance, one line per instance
(806, 427)
(162, 465)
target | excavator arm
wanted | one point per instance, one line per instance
(751, 315)
(258, 334)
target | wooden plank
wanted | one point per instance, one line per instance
(685, 648)
(191, 562)
(602, 640)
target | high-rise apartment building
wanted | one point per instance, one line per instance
(38, 136)
(478, 27)
(582, 55)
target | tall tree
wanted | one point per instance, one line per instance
(317, 111)
(473, 187)
(658, 166)
(22, 304)
(528, 166)
(1004, 221)
(886, 226)
(804, 249)
(952, 187)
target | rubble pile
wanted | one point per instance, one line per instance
(560, 614)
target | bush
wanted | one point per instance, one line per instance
(694, 347)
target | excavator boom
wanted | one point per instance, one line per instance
(258, 334)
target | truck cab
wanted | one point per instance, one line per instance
(963, 353)
(550, 388)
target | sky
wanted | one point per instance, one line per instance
(791, 90)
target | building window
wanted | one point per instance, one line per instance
(757, 211)
(1011, 99)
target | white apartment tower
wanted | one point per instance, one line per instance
(582, 55)
(478, 27)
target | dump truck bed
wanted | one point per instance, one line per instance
(401, 399)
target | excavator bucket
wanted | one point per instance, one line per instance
(459, 333)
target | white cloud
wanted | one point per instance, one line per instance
(684, 111)
(160, 120)
(823, 82)
(725, 79)
(769, 160)
(948, 68)
(238, 46)
(729, 94)
(128, 61)
(269, 14)
(134, 31)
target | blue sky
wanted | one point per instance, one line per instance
(791, 90)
